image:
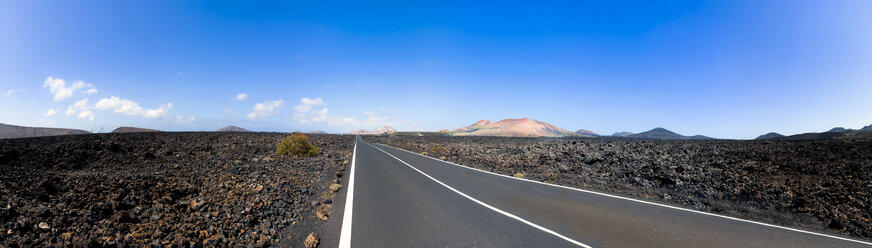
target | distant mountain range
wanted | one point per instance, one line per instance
(134, 130)
(662, 133)
(845, 130)
(835, 132)
(524, 127)
(232, 128)
(381, 130)
(12, 131)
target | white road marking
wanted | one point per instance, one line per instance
(646, 202)
(345, 234)
(488, 206)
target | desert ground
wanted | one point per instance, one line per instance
(231, 189)
(164, 189)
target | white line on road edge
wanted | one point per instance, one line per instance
(645, 202)
(345, 234)
(488, 206)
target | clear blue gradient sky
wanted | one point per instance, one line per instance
(727, 69)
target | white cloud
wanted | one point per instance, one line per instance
(14, 91)
(87, 114)
(306, 104)
(230, 112)
(307, 112)
(312, 102)
(48, 122)
(241, 97)
(50, 112)
(268, 108)
(80, 105)
(184, 119)
(323, 115)
(159, 112)
(128, 107)
(373, 119)
(344, 121)
(61, 91)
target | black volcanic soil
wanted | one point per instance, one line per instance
(165, 189)
(823, 185)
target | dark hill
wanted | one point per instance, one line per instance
(232, 128)
(12, 131)
(586, 133)
(830, 135)
(771, 135)
(622, 134)
(839, 130)
(134, 130)
(662, 133)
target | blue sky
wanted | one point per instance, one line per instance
(727, 69)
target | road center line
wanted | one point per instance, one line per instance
(345, 234)
(483, 204)
(646, 202)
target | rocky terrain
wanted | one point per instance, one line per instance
(164, 189)
(12, 131)
(822, 184)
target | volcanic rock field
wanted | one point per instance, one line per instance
(822, 185)
(231, 189)
(164, 189)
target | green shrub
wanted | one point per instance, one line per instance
(297, 144)
(438, 149)
(520, 175)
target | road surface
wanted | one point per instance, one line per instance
(397, 198)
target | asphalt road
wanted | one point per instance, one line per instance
(402, 199)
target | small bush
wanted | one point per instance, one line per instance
(297, 144)
(438, 149)
(520, 175)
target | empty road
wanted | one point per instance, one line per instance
(401, 199)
